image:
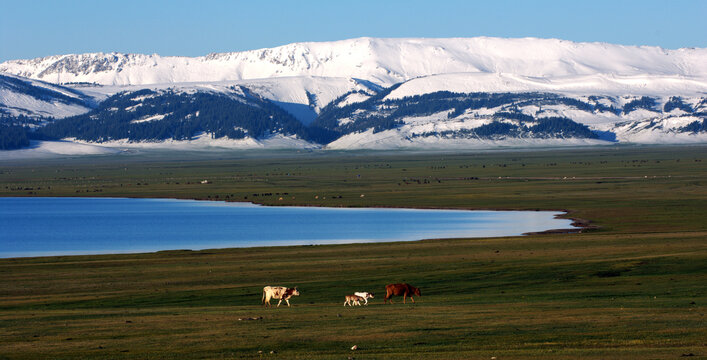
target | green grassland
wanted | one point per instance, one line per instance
(631, 286)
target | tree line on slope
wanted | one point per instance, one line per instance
(149, 115)
(549, 127)
(382, 114)
(13, 137)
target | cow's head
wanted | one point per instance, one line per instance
(417, 292)
(370, 295)
(294, 291)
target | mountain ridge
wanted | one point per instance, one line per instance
(383, 61)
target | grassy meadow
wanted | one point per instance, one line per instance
(633, 285)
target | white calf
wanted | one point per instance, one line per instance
(365, 296)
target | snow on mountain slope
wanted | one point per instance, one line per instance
(45, 149)
(301, 96)
(286, 89)
(668, 130)
(445, 119)
(37, 99)
(595, 84)
(206, 142)
(392, 139)
(382, 61)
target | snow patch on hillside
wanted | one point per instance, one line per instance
(44, 149)
(150, 118)
(352, 99)
(394, 140)
(595, 84)
(659, 131)
(205, 142)
(46, 104)
(16, 104)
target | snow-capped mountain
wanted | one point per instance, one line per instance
(375, 93)
(382, 61)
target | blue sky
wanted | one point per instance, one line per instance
(31, 28)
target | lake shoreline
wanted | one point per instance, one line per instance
(558, 215)
(580, 224)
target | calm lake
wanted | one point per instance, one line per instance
(63, 226)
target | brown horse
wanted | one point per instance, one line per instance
(400, 289)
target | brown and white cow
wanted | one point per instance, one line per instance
(352, 300)
(278, 292)
(400, 289)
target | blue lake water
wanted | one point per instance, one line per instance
(63, 226)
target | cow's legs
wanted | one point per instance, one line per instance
(288, 302)
(404, 296)
(279, 302)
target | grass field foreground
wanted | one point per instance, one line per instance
(633, 288)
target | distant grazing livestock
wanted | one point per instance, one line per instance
(365, 296)
(400, 289)
(278, 292)
(352, 300)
